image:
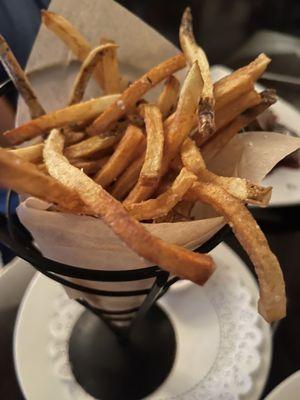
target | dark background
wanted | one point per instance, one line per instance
(223, 27)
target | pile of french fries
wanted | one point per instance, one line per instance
(125, 160)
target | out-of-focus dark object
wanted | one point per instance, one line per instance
(19, 23)
(282, 48)
(221, 27)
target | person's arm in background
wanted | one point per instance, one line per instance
(19, 23)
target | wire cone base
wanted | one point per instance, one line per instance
(109, 367)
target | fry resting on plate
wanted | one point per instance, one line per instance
(126, 160)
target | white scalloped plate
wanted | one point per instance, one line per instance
(223, 347)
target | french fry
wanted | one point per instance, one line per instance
(175, 259)
(272, 302)
(211, 148)
(59, 118)
(112, 80)
(128, 179)
(124, 153)
(86, 70)
(238, 187)
(159, 207)
(228, 113)
(32, 153)
(234, 85)
(176, 131)
(23, 177)
(19, 79)
(71, 37)
(89, 146)
(231, 88)
(168, 98)
(151, 169)
(89, 167)
(72, 137)
(194, 52)
(135, 92)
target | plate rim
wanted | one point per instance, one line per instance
(246, 274)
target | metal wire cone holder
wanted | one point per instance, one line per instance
(147, 342)
(124, 354)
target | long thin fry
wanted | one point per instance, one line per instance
(151, 169)
(211, 148)
(135, 91)
(112, 80)
(177, 260)
(236, 107)
(234, 85)
(240, 188)
(89, 167)
(20, 79)
(128, 179)
(71, 37)
(72, 137)
(168, 98)
(194, 52)
(124, 153)
(272, 302)
(32, 153)
(63, 117)
(159, 207)
(86, 70)
(176, 131)
(89, 146)
(24, 177)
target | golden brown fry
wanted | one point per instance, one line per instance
(86, 70)
(156, 208)
(234, 85)
(19, 79)
(176, 131)
(134, 92)
(72, 137)
(194, 52)
(229, 90)
(168, 98)
(59, 118)
(124, 153)
(90, 146)
(112, 80)
(151, 169)
(23, 177)
(227, 114)
(32, 153)
(71, 37)
(175, 259)
(272, 302)
(42, 168)
(211, 148)
(128, 179)
(89, 167)
(238, 187)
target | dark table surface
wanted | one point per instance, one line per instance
(281, 225)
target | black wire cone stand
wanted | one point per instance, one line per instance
(114, 355)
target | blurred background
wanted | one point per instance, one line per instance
(232, 32)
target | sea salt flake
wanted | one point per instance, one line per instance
(121, 105)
